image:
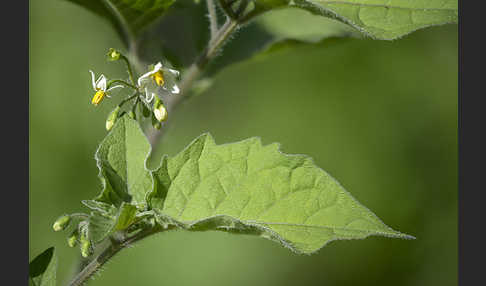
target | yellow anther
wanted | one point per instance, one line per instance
(159, 78)
(98, 97)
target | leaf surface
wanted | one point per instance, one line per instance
(378, 19)
(42, 269)
(129, 17)
(245, 187)
(101, 225)
(385, 19)
(121, 160)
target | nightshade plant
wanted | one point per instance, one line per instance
(242, 187)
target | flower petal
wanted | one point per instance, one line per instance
(101, 83)
(116, 86)
(149, 96)
(93, 79)
(175, 89)
(174, 72)
(158, 66)
(144, 77)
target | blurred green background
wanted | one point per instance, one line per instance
(379, 116)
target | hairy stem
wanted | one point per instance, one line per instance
(213, 19)
(128, 99)
(108, 253)
(129, 69)
(194, 71)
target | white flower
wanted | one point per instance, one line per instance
(159, 76)
(100, 87)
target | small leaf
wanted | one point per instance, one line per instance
(289, 45)
(128, 17)
(126, 216)
(121, 160)
(101, 225)
(42, 269)
(245, 187)
(104, 208)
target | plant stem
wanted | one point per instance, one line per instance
(129, 69)
(189, 77)
(194, 71)
(122, 82)
(108, 253)
(213, 18)
(128, 99)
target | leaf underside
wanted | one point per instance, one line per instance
(378, 19)
(129, 17)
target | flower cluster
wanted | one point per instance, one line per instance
(148, 88)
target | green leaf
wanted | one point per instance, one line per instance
(103, 208)
(289, 45)
(384, 19)
(245, 187)
(121, 160)
(129, 17)
(278, 30)
(125, 216)
(42, 269)
(378, 19)
(301, 25)
(102, 225)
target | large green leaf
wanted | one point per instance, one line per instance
(379, 19)
(129, 17)
(42, 269)
(248, 188)
(386, 19)
(121, 159)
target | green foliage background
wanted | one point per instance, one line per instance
(379, 116)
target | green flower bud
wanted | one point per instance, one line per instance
(113, 55)
(155, 123)
(145, 110)
(160, 111)
(110, 121)
(85, 246)
(73, 238)
(131, 114)
(61, 223)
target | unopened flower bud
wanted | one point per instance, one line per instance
(155, 123)
(85, 246)
(160, 111)
(145, 110)
(131, 114)
(113, 55)
(61, 223)
(110, 121)
(73, 238)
